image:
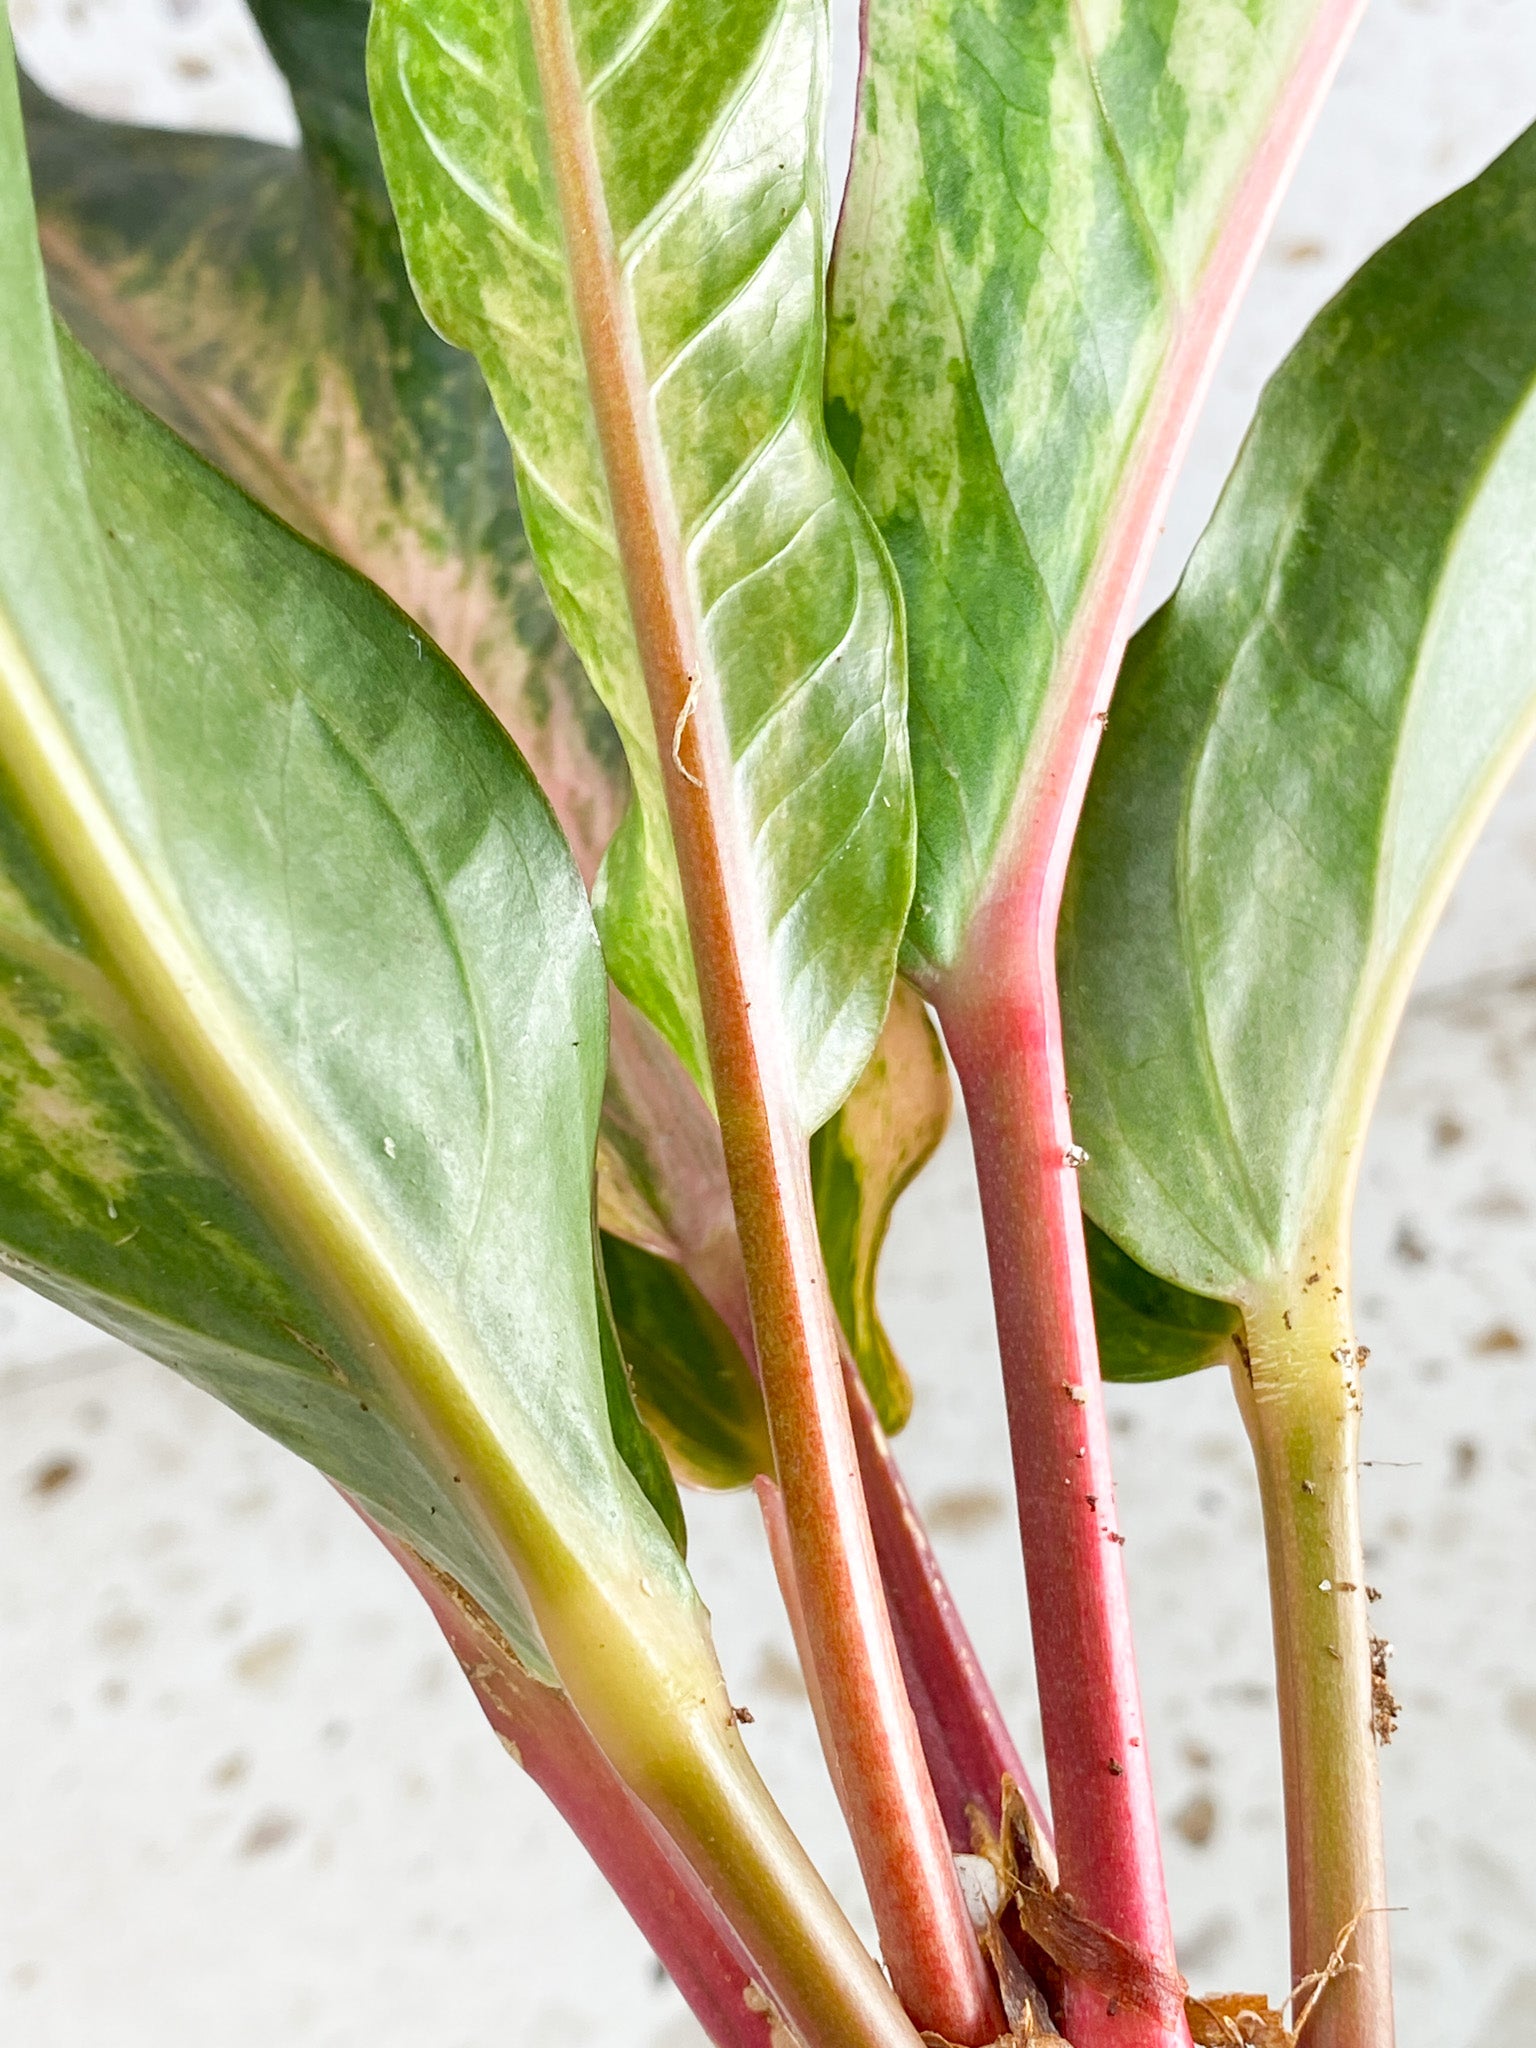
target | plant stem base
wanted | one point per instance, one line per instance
(1299, 1392)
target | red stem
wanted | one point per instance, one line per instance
(1002, 1019)
(867, 1721)
(781, 1549)
(930, 1950)
(1008, 1056)
(544, 1734)
(964, 1735)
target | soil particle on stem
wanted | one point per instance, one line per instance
(1385, 1711)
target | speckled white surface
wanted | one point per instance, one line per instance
(244, 1797)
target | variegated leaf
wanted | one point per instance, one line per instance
(1051, 203)
(303, 1040)
(255, 299)
(687, 140)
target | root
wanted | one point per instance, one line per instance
(1242, 2020)
(1311, 1988)
(1239, 2019)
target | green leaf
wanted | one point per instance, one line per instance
(255, 298)
(1048, 208)
(1148, 1329)
(302, 1026)
(637, 1444)
(873, 1149)
(693, 1386)
(692, 135)
(1305, 741)
(663, 1190)
(310, 935)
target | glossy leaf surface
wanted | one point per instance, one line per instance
(303, 1029)
(256, 299)
(1304, 743)
(696, 137)
(1020, 295)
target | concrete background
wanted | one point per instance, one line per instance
(244, 1796)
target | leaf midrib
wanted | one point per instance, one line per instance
(684, 697)
(186, 1021)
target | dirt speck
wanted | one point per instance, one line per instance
(779, 1676)
(1445, 1133)
(157, 1538)
(267, 1661)
(268, 1832)
(1498, 1338)
(1497, 1203)
(1195, 1820)
(54, 1475)
(230, 1771)
(122, 1631)
(1202, 1949)
(254, 1501)
(1465, 1458)
(965, 1510)
(1246, 1692)
(1385, 1710)
(1520, 1712)
(1305, 250)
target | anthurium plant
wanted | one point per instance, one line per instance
(542, 666)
